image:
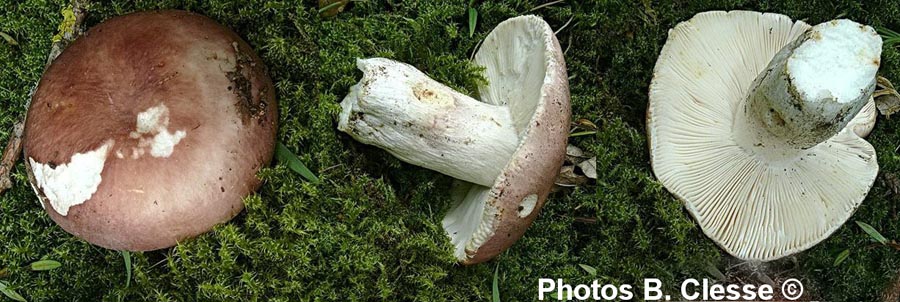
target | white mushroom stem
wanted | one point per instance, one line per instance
(398, 108)
(813, 87)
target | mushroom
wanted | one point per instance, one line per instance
(505, 150)
(750, 126)
(864, 122)
(149, 129)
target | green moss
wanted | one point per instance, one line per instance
(370, 230)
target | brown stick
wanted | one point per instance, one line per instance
(57, 47)
(588, 220)
(11, 155)
(13, 149)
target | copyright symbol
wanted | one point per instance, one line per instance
(792, 289)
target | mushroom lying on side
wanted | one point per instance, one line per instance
(755, 123)
(505, 150)
(149, 129)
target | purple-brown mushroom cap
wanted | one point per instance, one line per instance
(149, 129)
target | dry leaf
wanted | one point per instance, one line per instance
(585, 163)
(589, 167)
(575, 155)
(764, 278)
(329, 8)
(887, 100)
(585, 124)
(568, 178)
(9, 39)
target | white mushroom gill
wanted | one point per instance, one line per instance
(760, 188)
(70, 184)
(468, 223)
(864, 122)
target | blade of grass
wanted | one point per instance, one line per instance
(496, 286)
(9, 39)
(887, 32)
(714, 271)
(473, 19)
(583, 133)
(293, 162)
(9, 293)
(329, 6)
(127, 256)
(890, 37)
(841, 257)
(332, 8)
(545, 5)
(892, 41)
(45, 265)
(589, 269)
(872, 232)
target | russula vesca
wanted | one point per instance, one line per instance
(505, 150)
(755, 122)
(149, 129)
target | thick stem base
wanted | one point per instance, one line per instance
(398, 108)
(813, 87)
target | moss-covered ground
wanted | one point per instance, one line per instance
(370, 231)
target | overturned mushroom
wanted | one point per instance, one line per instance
(505, 150)
(750, 126)
(149, 129)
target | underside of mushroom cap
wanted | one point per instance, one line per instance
(526, 71)
(753, 206)
(863, 123)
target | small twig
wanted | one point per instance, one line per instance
(545, 5)
(475, 50)
(329, 168)
(11, 155)
(564, 25)
(13, 149)
(582, 133)
(894, 245)
(588, 220)
(78, 9)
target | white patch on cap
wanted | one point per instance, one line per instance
(73, 183)
(155, 121)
